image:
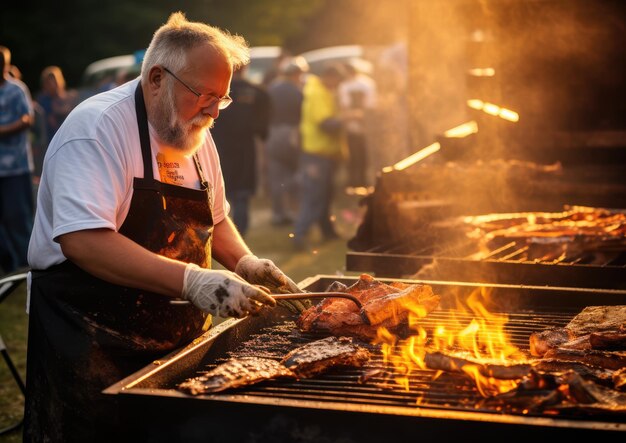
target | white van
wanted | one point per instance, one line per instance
(107, 68)
(318, 58)
(262, 59)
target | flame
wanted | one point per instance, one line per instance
(473, 333)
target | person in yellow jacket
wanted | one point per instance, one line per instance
(323, 147)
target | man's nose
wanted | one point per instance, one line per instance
(212, 110)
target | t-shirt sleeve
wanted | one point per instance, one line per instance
(87, 187)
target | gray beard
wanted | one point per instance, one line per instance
(185, 137)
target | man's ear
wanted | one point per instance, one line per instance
(155, 79)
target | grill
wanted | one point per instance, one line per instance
(362, 404)
(544, 129)
(399, 235)
(446, 254)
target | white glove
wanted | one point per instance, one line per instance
(263, 272)
(223, 293)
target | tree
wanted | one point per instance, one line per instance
(74, 33)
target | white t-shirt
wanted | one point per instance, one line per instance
(87, 181)
(358, 91)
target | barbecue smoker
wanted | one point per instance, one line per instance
(545, 131)
(351, 405)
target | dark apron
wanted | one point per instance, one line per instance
(86, 334)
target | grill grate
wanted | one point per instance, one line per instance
(373, 384)
(512, 263)
(444, 252)
(514, 251)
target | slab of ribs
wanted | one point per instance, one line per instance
(302, 362)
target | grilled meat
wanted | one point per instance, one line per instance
(455, 361)
(304, 361)
(418, 299)
(604, 359)
(318, 356)
(384, 304)
(607, 340)
(619, 379)
(597, 319)
(548, 236)
(542, 341)
(588, 338)
(236, 373)
(596, 374)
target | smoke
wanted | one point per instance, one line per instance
(559, 63)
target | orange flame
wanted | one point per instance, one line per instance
(474, 334)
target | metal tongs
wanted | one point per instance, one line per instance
(306, 295)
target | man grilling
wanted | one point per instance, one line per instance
(130, 212)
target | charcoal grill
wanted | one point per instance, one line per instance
(341, 405)
(450, 258)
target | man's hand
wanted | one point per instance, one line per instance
(223, 293)
(264, 272)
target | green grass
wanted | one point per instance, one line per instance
(13, 329)
(265, 241)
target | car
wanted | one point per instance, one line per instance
(319, 58)
(262, 60)
(107, 68)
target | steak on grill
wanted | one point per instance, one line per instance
(235, 373)
(384, 304)
(595, 337)
(594, 327)
(318, 356)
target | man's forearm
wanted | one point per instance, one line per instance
(115, 258)
(18, 125)
(228, 246)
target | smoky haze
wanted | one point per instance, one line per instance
(559, 64)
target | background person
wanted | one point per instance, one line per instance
(358, 99)
(16, 167)
(241, 128)
(116, 238)
(55, 99)
(323, 148)
(283, 142)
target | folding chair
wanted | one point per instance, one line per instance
(7, 286)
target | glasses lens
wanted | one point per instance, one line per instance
(206, 101)
(225, 102)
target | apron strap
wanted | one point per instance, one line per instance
(204, 184)
(148, 181)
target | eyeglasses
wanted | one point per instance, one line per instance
(204, 100)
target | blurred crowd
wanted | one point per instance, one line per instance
(306, 135)
(297, 137)
(27, 125)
